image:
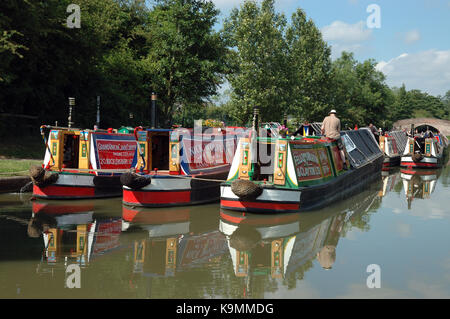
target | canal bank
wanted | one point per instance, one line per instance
(13, 184)
(14, 173)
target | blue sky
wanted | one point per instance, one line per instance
(412, 45)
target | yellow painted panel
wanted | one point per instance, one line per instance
(245, 160)
(174, 159)
(279, 175)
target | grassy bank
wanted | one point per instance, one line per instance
(17, 154)
(16, 167)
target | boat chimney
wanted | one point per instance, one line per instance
(71, 105)
(154, 120)
(255, 118)
(412, 129)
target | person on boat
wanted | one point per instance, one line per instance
(356, 127)
(331, 128)
(374, 131)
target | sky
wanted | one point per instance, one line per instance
(409, 39)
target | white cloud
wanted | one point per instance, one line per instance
(411, 36)
(342, 32)
(428, 71)
(346, 37)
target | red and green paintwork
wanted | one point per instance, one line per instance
(310, 161)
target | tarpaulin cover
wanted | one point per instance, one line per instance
(401, 139)
(361, 146)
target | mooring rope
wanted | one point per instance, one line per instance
(8, 173)
(198, 178)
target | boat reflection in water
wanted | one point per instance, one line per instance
(71, 234)
(167, 241)
(390, 179)
(285, 246)
(419, 184)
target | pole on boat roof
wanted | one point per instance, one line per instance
(253, 142)
(154, 121)
(98, 112)
(255, 118)
(71, 105)
(412, 129)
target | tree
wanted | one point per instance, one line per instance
(185, 57)
(310, 67)
(360, 94)
(259, 61)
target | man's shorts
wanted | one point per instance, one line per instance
(339, 143)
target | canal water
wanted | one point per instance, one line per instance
(389, 241)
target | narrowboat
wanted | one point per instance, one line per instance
(180, 166)
(299, 173)
(424, 151)
(82, 163)
(392, 144)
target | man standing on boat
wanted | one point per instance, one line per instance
(375, 133)
(331, 128)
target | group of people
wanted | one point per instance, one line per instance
(426, 134)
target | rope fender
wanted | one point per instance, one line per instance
(40, 177)
(245, 189)
(134, 181)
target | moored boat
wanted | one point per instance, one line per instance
(185, 167)
(425, 151)
(82, 163)
(393, 145)
(299, 174)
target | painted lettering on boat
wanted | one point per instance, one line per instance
(207, 154)
(307, 164)
(326, 168)
(113, 154)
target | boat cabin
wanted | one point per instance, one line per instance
(287, 162)
(184, 151)
(78, 150)
(153, 150)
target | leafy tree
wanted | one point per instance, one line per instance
(185, 59)
(360, 93)
(259, 61)
(310, 67)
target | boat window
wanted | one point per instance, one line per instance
(71, 150)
